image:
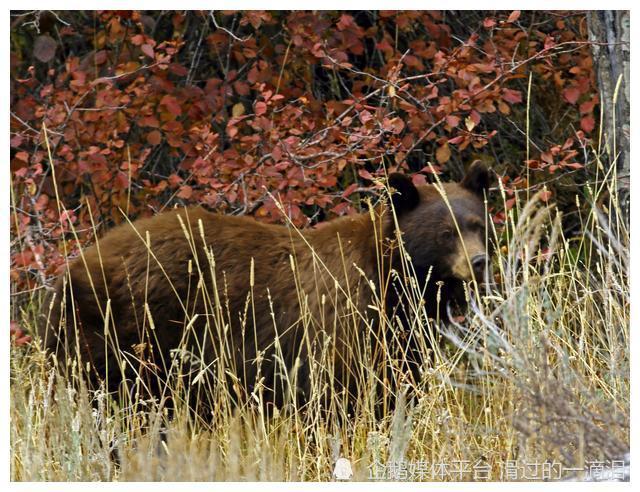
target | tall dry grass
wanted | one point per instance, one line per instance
(538, 371)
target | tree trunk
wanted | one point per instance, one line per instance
(609, 30)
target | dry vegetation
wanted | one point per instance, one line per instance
(141, 110)
(537, 372)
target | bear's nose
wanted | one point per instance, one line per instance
(478, 263)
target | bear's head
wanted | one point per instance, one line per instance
(444, 230)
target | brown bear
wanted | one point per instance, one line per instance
(196, 293)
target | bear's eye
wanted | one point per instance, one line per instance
(476, 226)
(447, 234)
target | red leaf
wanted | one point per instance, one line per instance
(365, 116)
(512, 96)
(532, 164)
(241, 88)
(453, 120)
(121, 181)
(515, 15)
(344, 22)
(339, 209)
(545, 195)
(350, 189)
(16, 140)
(17, 335)
(567, 144)
(100, 57)
(475, 117)
(147, 49)
(549, 43)
(363, 173)
(587, 123)
(261, 108)
(398, 125)
(574, 165)
(171, 103)
(587, 106)
(185, 192)
(489, 22)
(137, 40)
(154, 137)
(276, 153)
(547, 157)
(178, 69)
(571, 94)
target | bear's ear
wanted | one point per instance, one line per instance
(477, 178)
(404, 195)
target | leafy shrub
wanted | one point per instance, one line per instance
(143, 110)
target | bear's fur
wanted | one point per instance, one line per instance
(267, 293)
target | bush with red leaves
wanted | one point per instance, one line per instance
(125, 113)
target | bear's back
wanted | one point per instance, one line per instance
(154, 284)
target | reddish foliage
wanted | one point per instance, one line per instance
(146, 109)
(18, 337)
